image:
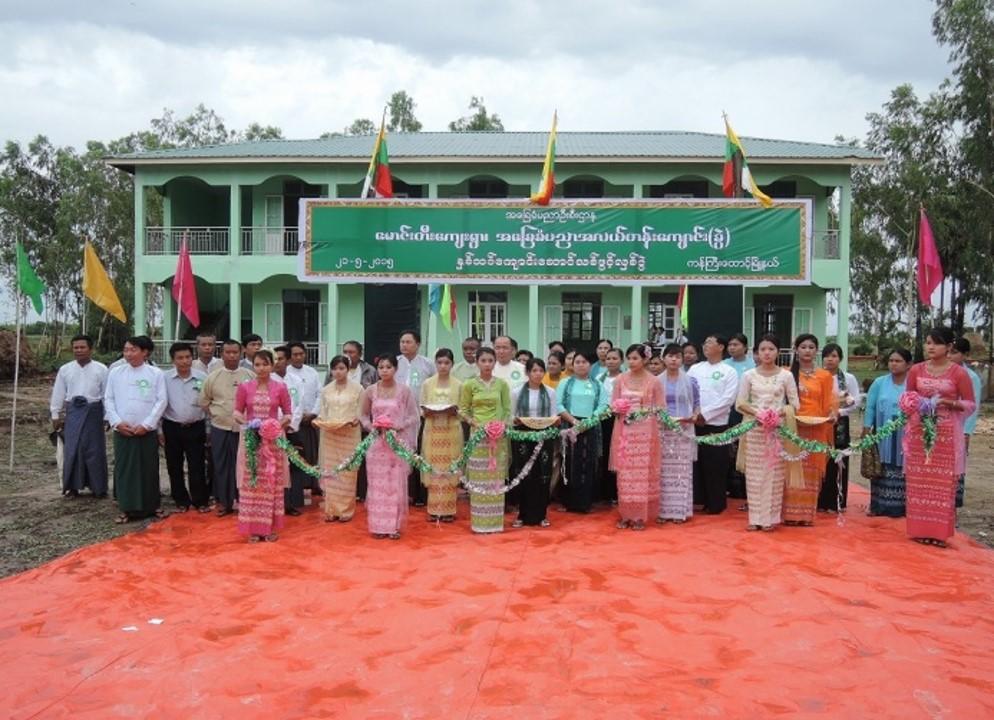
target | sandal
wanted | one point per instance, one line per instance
(768, 528)
(518, 523)
(272, 537)
(448, 518)
(254, 538)
(330, 518)
(344, 519)
(639, 525)
(224, 512)
(622, 525)
(753, 528)
(660, 520)
(122, 519)
(182, 509)
(394, 536)
(203, 509)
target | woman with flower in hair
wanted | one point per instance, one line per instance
(388, 406)
(263, 406)
(939, 395)
(635, 447)
(485, 401)
(764, 392)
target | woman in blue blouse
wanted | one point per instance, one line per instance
(887, 490)
(580, 397)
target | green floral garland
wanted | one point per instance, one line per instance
(252, 454)
(813, 446)
(418, 462)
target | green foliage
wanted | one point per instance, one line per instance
(478, 120)
(53, 199)
(401, 111)
(360, 126)
(938, 153)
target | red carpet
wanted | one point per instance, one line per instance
(576, 621)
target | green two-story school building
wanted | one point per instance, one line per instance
(238, 208)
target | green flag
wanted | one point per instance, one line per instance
(27, 281)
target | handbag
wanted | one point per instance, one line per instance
(869, 462)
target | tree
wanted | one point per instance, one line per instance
(401, 111)
(966, 27)
(478, 120)
(255, 131)
(361, 126)
(202, 127)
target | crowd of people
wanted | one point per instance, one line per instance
(198, 411)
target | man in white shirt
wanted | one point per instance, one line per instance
(412, 368)
(134, 402)
(507, 368)
(719, 385)
(184, 430)
(310, 402)
(78, 412)
(205, 361)
(293, 496)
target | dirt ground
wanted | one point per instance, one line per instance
(37, 524)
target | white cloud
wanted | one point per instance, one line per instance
(79, 71)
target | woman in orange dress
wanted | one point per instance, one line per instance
(816, 391)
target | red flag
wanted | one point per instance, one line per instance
(929, 266)
(185, 288)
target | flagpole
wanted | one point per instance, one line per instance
(17, 373)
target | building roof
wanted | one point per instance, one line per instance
(667, 146)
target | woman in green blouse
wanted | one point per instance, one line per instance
(481, 400)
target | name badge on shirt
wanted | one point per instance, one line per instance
(143, 387)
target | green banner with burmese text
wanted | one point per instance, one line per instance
(507, 242)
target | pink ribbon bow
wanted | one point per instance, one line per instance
(495, 431)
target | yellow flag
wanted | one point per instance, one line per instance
(98, 287)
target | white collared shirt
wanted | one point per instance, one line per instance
(135, 395)
(310, 388)
(719, 385)
(75, 380)
(414, 372)
(295, 389)
(513, 373)
(209, 367)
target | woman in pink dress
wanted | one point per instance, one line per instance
(388, 405)
(635, 447)
(260, 501)
(931, 479)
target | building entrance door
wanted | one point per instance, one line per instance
(581, 320)
(390, 310)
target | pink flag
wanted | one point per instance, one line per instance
(929, 266)
(185, 288)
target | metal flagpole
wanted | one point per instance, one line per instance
(17, 372)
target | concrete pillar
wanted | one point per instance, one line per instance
(235, 311)
(235, 220)
(845, 226)
(535, 322)
(138, 315)
(637, 331)
(331, 330)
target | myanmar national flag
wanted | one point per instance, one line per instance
(548, 183)
(736, 177)
(378, 182)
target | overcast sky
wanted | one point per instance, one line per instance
(788, 69)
